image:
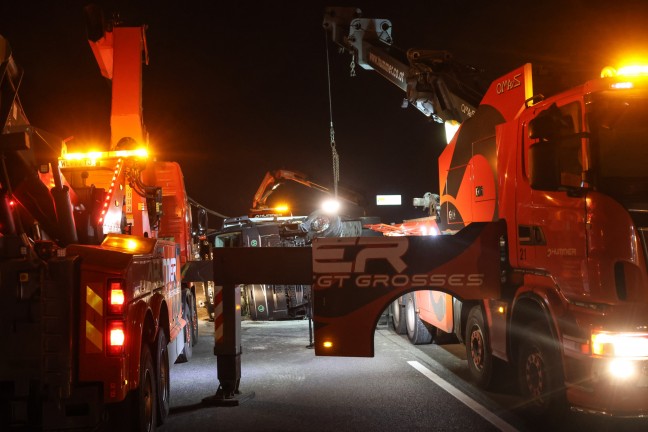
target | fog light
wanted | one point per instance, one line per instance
(622, 369)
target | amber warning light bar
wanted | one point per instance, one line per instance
(93, 157)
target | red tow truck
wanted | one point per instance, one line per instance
(92, 244)
(539, 237)
(564, 178)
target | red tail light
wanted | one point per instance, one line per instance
(116, 298)
(116, 336)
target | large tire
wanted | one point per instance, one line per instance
(144, 419)
(187, 350)
(399, 322)
(478, 354)
(540, 374)
(193, 317)
(417, 332)
(138, 412)
(260, 301)
(162, 376)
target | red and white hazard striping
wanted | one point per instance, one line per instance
(218, 314)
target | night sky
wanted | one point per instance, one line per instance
(235, 90)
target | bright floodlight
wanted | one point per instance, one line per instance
(451, 128)
(331, 206)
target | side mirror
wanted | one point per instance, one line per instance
(202, 221)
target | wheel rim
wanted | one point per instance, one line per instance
(535, 374)
(411, 315)
(477, 348)
(396, 312)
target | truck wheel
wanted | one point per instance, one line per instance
(187, 350)
(478, 355)
(193, 317)
(145, 411)
(162, 376)
(261, 304)
(540, 373)
(398, 315)
(417, 332)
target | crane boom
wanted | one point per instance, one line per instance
(433, 82)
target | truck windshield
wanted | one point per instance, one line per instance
(619, 145)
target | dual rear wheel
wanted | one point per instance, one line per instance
(406, 320)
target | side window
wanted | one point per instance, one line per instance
(228, 240)
(554, 157)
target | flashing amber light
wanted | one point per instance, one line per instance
(116, 298)
(625, 71)
(116, 337)
(132, 244)
(94, 155)
(282, 208)
(129, 244)
(327, 344)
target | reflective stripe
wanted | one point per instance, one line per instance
(94, 301)
(94, 336)
(218, 314)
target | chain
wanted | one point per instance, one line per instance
(336, 162)
(352, 73)
(334, 154)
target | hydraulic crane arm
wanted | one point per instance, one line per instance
(433, 82)
(274, 179)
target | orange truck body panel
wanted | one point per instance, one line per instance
(150, 277)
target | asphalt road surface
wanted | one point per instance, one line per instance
(403, 388)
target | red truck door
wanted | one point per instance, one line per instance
(550, 199)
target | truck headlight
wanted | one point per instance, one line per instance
(615, 344)
(622, 368)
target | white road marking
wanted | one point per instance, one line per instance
(463, 398)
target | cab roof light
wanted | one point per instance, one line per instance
(625, 71)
